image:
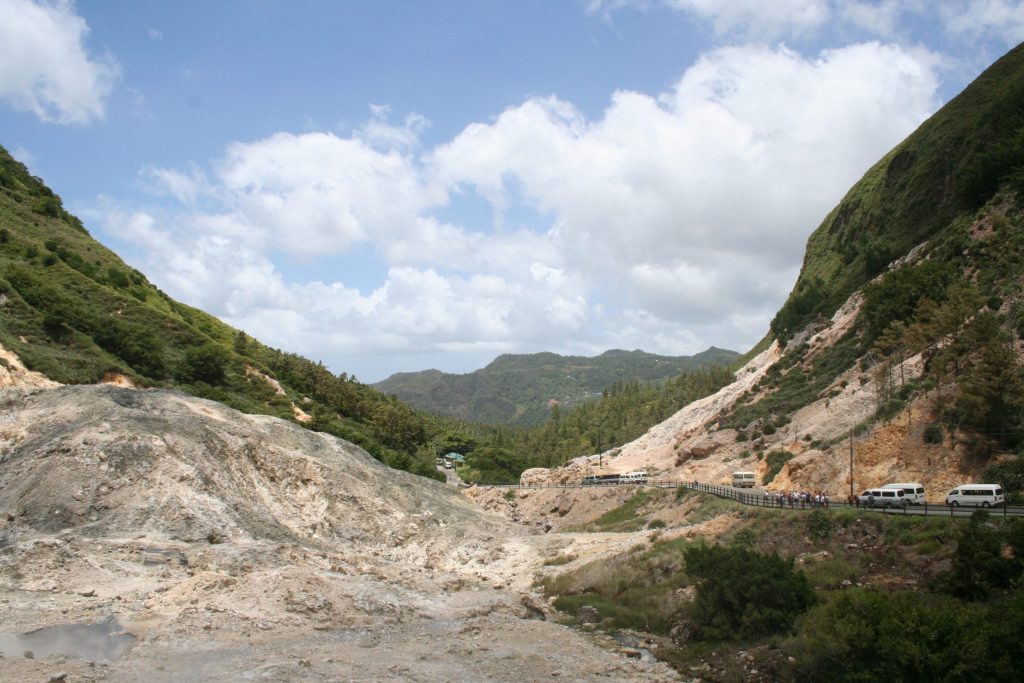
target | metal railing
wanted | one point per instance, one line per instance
(771, 499)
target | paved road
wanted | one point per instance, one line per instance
(756, 497)
(450, 476)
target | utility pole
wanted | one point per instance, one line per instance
(851, 462)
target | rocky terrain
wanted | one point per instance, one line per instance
(230, 546)
(691, 445)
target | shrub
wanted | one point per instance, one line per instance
(819, 525)
(933, 434)
(656, 524)
(776, 460)
(742, 594)
(979, 566)
(1009, 473)
(744, 538)
(917, 635)
(207, 363)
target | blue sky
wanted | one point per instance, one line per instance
(390, 186)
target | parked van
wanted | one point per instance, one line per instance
(633, 478)
(985, 495)
(744, 480)
(912, 491)
(883, 498)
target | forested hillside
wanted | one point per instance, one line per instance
(625, 411)
(74, 311)
(516, 389)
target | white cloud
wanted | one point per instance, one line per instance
(670, 223)
(185, 187)
(759, 19)
(882, 18)
(45, 67)
(684, 205)
(317, 194)
(1003, 19)
(748, 19)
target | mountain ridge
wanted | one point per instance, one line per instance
(517, 388)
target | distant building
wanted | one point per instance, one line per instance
(455, 458)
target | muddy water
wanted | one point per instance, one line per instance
(105, 640)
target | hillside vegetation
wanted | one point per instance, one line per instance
(74, 311)
(515, 389)
(626, 410)
(927, 187)
(932, 239)
(810, 595)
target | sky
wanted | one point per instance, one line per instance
(390, 186)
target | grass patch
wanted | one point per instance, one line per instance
(626, 517)
(559, 560)
(918, 532)
(634, 590)
(830, 573)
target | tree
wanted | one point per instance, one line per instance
(742, 594)
(206, 363)
(241, 343)
(991, 396)
(979, 566)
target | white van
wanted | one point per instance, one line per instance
(985, 495)
(633, 478)
(744, 480)
(883, 498)
(912, 491)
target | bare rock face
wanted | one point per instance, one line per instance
(14, 374)
(113, 460)
(234, 546)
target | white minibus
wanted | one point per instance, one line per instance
(744, 480)
(633, 478)
(985, 495)
(913, 491)
(883, 498)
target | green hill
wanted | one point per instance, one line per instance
(933, 239)
(517, 388)
(929, 186)
(74, 311)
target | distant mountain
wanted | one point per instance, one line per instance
(518, 388)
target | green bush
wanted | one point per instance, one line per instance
(933, 434)
(742, 594)
(911, 635)
(980, 567)
(819, 524)
(206, 363)
(776, 460)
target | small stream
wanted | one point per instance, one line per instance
(105, 640)
(635, 643)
